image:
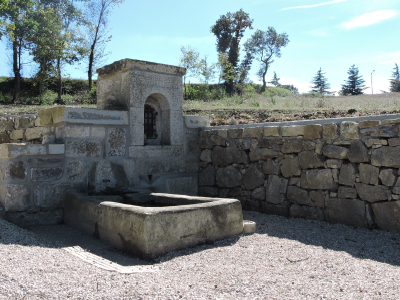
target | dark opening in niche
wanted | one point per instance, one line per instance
(150, 128)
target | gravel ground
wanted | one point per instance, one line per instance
(285, 259)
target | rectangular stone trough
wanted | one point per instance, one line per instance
(151, 225)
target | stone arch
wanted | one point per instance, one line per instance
(156, 110)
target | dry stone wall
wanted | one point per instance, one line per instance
(342, 172)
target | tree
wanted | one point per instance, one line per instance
(97, 12)
(320, 82)
(229, 30)
(264, 45)
(206, 71)
(275, 80)
(3, 6)
(189, 60)
(354, 84)
(395, 81)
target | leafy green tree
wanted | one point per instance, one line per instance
(206, 71)
(229, 30)
(264, 45)
(354, 84)
(320, 82)
(97, 13)
(190, 60)
(275, 80)
(3, 6)
(395, 81)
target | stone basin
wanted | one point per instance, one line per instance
(149, 225)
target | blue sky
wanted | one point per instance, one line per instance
(331, 34)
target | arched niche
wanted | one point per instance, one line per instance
(156, 125)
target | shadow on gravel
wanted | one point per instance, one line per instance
(361, 243)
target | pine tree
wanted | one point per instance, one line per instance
(354, 84)
(321, 84)
(395, 82)
(275, 80)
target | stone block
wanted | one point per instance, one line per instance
(368, 174)
(276, 189)
(208, 191)
(75, 170)
(253, 178)
(243, 144)
(386, 157)
(18, 149)
(206, 155)
(77, 131)
(82, 148)
(262, 154)
(298, 196)
(358, 153)
(394, 142)
(388, 177)
(309, 145)
(333, 163)
(54, 149)
(292, 145)
(223, 133)
(258, 194)
(196, 121)
(98, 132)
(47, 174)
(347, 174)
(270, 167)
(295, 130)
(273, 209)
(16, 135)
(253, 132)
(235, 133)
(317, 198)
(382, 131)
(349, 130)
(6, 124)
(54, 194)
(227, 156)
(390, 122)
(313, 132)
(310, 160)
(106, 176)
(207, 176)
(24, 122)
(369, 124)
(216, 140)
(318, 180)
(14, 197)
(306, 212)
(290, 167)
(294, 181)
(4, 138)
(349, 212)
(376, 142)
(116, 142)
(347, 192)
(373, 193)
(330, 131)
(229, 177)
(16, 170)
(386, 215)
(333, 151)
(34, 133)
(182, 186)
(271, 131)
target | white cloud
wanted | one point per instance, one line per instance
(315, 5)
(370, 18)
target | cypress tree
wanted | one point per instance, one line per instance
(320, 82)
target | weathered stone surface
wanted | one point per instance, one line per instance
(35, 133)
(16, 170)
(368, 174)
(227, 156)
(56, 148)
(243, 144)
(306, 212)
(77, 131)
(98, 132)
(6, 124)
(82, 149)
(375, 143)
(317, 198)
(182, 185)
(217, 140)
(4, 138)
(388, 177)
(382, 131)
(333, 163)
(298, 195)
(296, 130)
(358, 153)
(206, 155)
(196, 121)
(14, 197)
(207, 176)
(107, 177)
(262, 154)
(290, 167)
(235, 133)
(271, 131)
(330, 131)
(208, 191)
(313, 132)
(205, 143)
(347, 174)
(274, 209)
(47, 174)
(24, 122)
(347, 192)
(75, 170)
(349, 212)
(317, 180)
(116, 142)
(258, 194)
(333, 151)
(276, 189)
(368, 124)
(294, 181)
(309, 145)
(271, 167)
(387, 215)
(310, 160)
(394, 142)
(223, 133)
(386, 157)
(15, 135)
(253, 132)
(253, 178)
(229, 177)
(292, 146)
(372, 193)
(349, 130)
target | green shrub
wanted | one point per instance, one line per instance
(47, 98)
(276, 91)
(2, 99)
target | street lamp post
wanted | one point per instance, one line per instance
(372, 89)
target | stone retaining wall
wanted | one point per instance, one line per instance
(338, 171)
(25, 128)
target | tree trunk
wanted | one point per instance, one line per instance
(91, 56)
(17, 75)
(184, 86)
(263, 78)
